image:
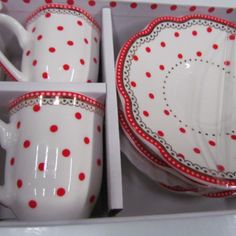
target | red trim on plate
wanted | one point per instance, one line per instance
(139, 146)
(63, 94)
(223, 194)
(128, 106)
(66, 7)
(179, 189)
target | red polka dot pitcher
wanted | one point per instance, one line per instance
(60, 44)
(54, 156)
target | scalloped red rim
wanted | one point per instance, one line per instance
(145, 153)
(193, 174)
(63, 6)
(51, 94)
(179, 189)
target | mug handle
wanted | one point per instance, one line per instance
(24, 38)
(6, 137)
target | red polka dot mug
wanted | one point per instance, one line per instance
(60, 44)
(54, 156)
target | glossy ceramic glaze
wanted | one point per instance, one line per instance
(54, 156)
(176, 81)
(60, 44)
(166, 177)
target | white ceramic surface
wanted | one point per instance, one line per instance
(161, 174)
(60, 44)
(176, 81)
(54, 159)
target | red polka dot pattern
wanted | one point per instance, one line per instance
(45, 75)
(199, 54)
(148, 49)
(182, 130)
(211, 9)
(229, 10)
(60, 28)
(78, 115)
(66, 67)
(192, 8)
(220, 168)
(70, 2)
(53, 128)
(166, 112)
(70, 42)
(233, 137)
(19, 183)
(66, 153)
(26, 144)
(197, 150)
(163, 44)
(86, 140)
(154, 6)
(133, 5)
(212, 143)
(34, 63)
(162, 67)
(133, 84)
(194, 33)
(227, 63)
(135, 57)
(209, 29)
(113, 4)
(39, 37)
(82, 62)
(12, 161)
(47, 15)
(91, 3)
(173, 7)
(79, 22)
(81, 176)
(36, 108)
(232, 37)
(61, 192)
(28, 53)
(148, 74)
(146, 113)
(41, 166)
(160, 133)
(151, 96)
(32, 204)
(18, 125)
(52, 49)
(177, 34)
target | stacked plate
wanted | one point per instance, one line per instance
(176, 83)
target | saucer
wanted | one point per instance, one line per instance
(176, 82)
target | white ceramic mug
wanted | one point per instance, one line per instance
(54, 156)
(60, 44)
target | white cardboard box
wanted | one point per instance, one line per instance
(149, 209)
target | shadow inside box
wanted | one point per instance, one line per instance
(142, 196)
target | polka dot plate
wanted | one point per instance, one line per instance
(176, 82)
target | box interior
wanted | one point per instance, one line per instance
(141, 195)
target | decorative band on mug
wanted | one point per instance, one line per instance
(56, 98)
